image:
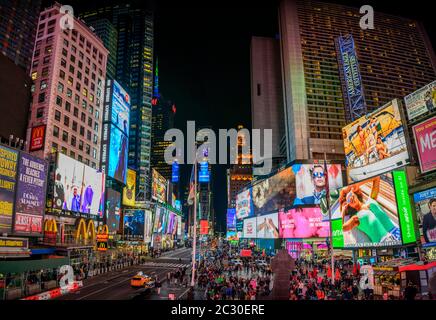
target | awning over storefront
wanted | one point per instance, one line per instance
(31, 265)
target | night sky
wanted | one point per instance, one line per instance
(204, 61)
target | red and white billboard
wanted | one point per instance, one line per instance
(204, 227)
(425, 138)
(37, 136)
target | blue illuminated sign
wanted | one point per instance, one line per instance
(352, 87)
(175, 172)
(204, 172)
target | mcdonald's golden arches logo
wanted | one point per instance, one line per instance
(37, 136)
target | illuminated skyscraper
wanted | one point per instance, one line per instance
(69, 71)
(134, 71)
(395, 59)
(18, 23)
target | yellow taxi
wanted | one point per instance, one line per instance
(142, 280)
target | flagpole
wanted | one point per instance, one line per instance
(330, 221)
(194, 245)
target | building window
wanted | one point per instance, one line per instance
(88, 135)
(94, 153)
(37, 52)
(83, 117)
(96, 127)
(81, 145)
(71, 69)
(73, 59)
(59, 101)
(84, 104)
(77, 99)
(60, 87)
(79, 157)
(48, 49)
(46, 59)
(39, 113)
(72, 154)
(95, 139)
(97, 114)
(80, 64)
(88, 149)
(79, 75)
(43, 85)
(45, 72)
(64, 150)
(66, 121)
(78, 86)
(70, 81)
(34, 75)
(55, 131)
(91, 97)
(35, 64)
(73, 141)
(74, 126)
(82, 131)
(64, 52)
(90, 124)
(73, 49)
(76, 112)
(64, 63)
(41, 97)
(57, 115)
(85, 92)
(91, 109)
(62, 74)
(69, 93)
(87, 162)
(67, 104)
(54, 147)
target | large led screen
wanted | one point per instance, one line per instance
(275, 192)
(375, 144)
(157, 225)
(421, 101)
(249, 228)
(159, 187)
(30, 196)
(311, 181)
(148, 225)
(113, 210)
(134, 223)
(425, 205)
(8, 173)
(78, 188)
(118, 149)
(370, 213)
(120, 108)
(267, 226)
(425, 139)
(129, 190)
(231, 219)
(303, 223)
(244, 204)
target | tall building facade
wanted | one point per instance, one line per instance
(134, 71)
(69, 71)
(266, 90)
(395, 59)
(18, 22)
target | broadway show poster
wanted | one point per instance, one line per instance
(30, 197)
(8, 173)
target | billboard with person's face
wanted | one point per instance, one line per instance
(425, 205)
(120, 108)
(244, 204)
(118, 149)
(421, 101)
(8, 173)
(30, 196)
(129, 190)
(370, 213)
(376, 143)
(267, 226)
(275, 192)
(303, 223)
(311, 181)
(78, 188)
(249, 228)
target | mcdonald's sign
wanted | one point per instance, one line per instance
(102, 237)
(37, 137)
(50, 230)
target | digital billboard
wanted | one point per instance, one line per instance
(303, 223)
(421, 101)
(179, 226)
(157, 225)
(134, 223)
(425, 205)
(370, 213)
(249, 230)
(311, 181)
(231, 219)
(375, 143)
(203, 173)
(204, 227)
(171, 217)
(267, 226)
(31, 195)
(113, 209)
(425, 138)
(148, 225)
(244, 204)
(8, 174)
(175, 172)
(275, 192)
(159, 187)
(78, 188)
(118, 148)
(129, 190)
(120, 108)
